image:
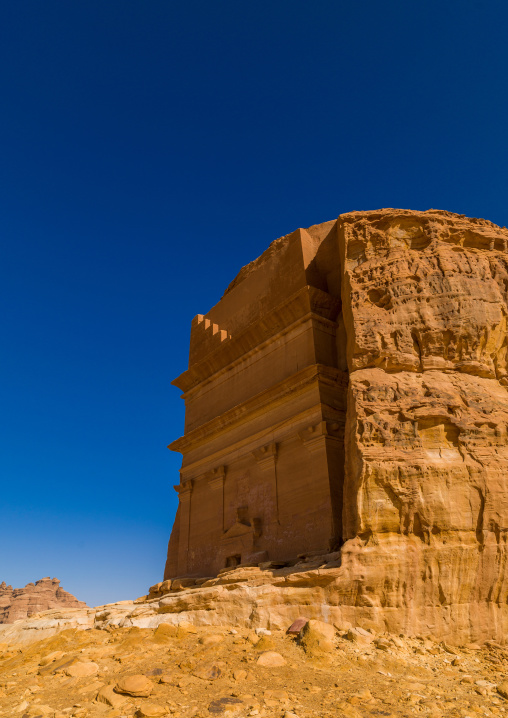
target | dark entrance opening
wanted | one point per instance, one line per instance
(233, 561)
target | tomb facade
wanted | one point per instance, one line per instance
(265, 396)
(349, 391)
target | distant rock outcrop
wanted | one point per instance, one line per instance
(16, 603)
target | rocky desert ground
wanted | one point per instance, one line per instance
(315, 669)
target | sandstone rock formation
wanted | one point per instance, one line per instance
(17, 603)
(349, 392)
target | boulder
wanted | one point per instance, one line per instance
(271, 659)
(151, 710)
(502, 689)
(82, 669)
(295, 628)
(360, 636)
(164, 632)
(137, 685)
(317, 636)
(211, 639)
(210, 671)
(108, 696)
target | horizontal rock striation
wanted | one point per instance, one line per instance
(18, 603)
(426, 492)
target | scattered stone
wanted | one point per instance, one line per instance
(51, 657)
(150, 710)
(108, 696)
(210, 671)
(265, 643)
(82, 670)
(228, 704)
(211, 639)
(274, 697)
(346, 709)
(271, 659)
(317, 636)
(297, 626)
(167, 678)
(382, 644)
(164, 632)
(35, 711)
(137, 685)
(359, 636)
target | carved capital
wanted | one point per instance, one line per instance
(216, 477)
(314, 436)
(184, 490)
(266, 456)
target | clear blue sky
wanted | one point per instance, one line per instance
(148, 151)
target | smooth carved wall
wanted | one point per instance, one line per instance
(351, 388)
(265, 413)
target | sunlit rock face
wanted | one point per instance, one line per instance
(18, 603)
(349, 391)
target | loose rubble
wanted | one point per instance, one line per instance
(186, 671)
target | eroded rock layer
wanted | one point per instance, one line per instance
(426, 492)
(45, 594)
(349, 391)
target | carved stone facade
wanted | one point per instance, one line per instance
(265, 395)
(350, 390)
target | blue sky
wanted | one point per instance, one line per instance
(148, 151)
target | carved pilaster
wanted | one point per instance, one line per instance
(314, 436)
(184, 491)
(266, 457)
(326, 440)
(216, 480)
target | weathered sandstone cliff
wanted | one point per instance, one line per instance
(17, 603)
(426, 493)
(406, 424)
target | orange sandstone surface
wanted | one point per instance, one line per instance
(347, 398)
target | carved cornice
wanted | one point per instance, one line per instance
(259, 404)
(307, 303)
(184, 490)
(216, 477)
(266, 456)
(315, 436)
